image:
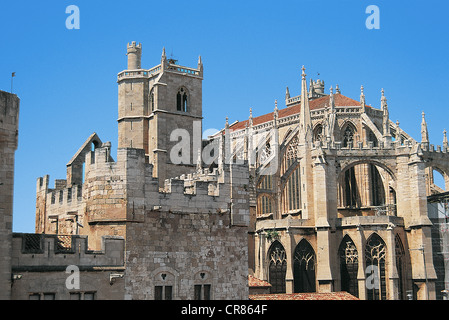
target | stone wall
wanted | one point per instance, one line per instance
(9, 123)
(40, 267)
(182, 250)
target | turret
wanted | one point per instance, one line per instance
(305, 122)
(134, 55)
(386, 119)
(424, 132)
(362, 98)
(445, 143)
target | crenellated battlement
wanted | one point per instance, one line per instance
(45, 251)
(125, 190)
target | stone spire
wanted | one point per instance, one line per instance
(445, 143)
(331, 99)
(386, 116)
(311, 89)
(163, 59)
(305, 122)
(287, 95)
(250, 120)
(398, 133)
(337, 89)
(362, 98)
(200, 65)
(424, 132)
(276, 110)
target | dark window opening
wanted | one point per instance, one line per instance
(304, 268)
(163, 293)
(349, 264)
(202, 292)
(277, 268)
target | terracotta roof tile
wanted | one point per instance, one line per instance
(305, 296)
(255, 282)
(339, 100)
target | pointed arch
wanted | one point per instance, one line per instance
(277, 267)
(304, 267)
(371, 137)
(318, 133)
(400, 267)
(348, 132)
(182, 99)
(375, 257)
(349, 265)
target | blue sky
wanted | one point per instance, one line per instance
(251, 50)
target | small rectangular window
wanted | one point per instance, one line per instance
(89, 296)
(163, 293)
(197, 292)
(49, 296)
(168, 293)
(202, 292)
(206, 292)
(35, 296)
(158, 293)
(75, 296)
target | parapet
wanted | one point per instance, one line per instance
(47, 252)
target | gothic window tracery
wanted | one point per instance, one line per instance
(400, 266)
(375, 254)
(348, 135)
(318, 133)
(372, 138)
(292, 151)
(265, 153)
(291, 193)
(349, 263)
(277, 267)
(182, 100)
(304, 267)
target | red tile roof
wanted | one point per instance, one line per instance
(254, 282)
(339, 100)
(305, 296)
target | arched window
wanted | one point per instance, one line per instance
(372, 138)
(400, 267)
(351, 189)
(348, 135)
(152, 104)
(202, 286)
(293, 190)
(349, 265)
(277, 268)
(290, 169)
(318, 133)
(375, 254)
(304, 267)
(264, 205)
(182, 100)
(163, 286)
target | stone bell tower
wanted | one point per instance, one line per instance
(160, 111)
